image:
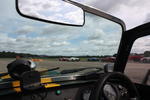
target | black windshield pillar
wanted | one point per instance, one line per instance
(126, 44)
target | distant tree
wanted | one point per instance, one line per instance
(147, 54)
(115, 55)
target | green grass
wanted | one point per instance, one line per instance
(83, 59)
(57, 59)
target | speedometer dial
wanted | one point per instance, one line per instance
(109, 92)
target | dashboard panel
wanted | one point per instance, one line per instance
(77, 92)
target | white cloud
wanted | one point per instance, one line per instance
(95, 42)
(75, 17)
(97, 35)
(1, 27)
(132, 12)
(147, 18)
(25, 29)
(64, 43)
(132, 15)
(141, 45)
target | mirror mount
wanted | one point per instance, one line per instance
(108, 68)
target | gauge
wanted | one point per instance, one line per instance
(109, 92)
(86, 94)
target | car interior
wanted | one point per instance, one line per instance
(66, 50)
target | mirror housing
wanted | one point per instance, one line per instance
(108, 68)
(52, 11)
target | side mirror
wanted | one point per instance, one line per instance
(53, 11)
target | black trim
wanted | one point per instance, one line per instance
(127, 41)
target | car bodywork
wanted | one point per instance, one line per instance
(74, 59)
(63, 59)
(108, 59)
(145, 60)
(93, 59)
(135, 58)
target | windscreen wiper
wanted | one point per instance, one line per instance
(77, 70)
(48, 70)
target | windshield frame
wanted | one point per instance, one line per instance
(86, 8)
(99, 13)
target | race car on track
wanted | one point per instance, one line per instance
(108, 59)
(63, 59)
(145, 60)
(74, 59)
(135, 58)
(93, 59)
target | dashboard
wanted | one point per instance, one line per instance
(68, 92)
(71, 90)
(77, 92)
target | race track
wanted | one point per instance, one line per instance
(136, 71)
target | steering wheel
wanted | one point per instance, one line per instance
(114, 86)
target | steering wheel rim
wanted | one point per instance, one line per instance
(104, 78)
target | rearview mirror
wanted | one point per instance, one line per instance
(56, 11)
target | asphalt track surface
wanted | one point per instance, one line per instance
(136, 71)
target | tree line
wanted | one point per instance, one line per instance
(5, 54)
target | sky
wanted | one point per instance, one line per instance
(132, 12)
(97, 37)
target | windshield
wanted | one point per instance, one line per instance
(52, 45)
